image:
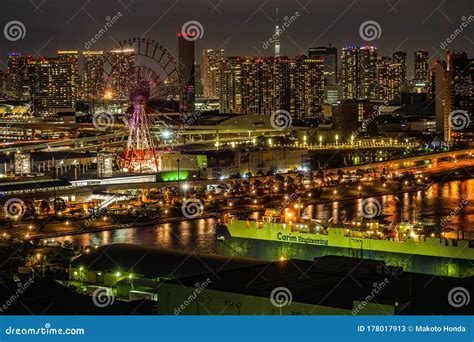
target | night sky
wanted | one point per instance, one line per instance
(240, 27)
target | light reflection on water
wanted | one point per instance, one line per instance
(432, 205)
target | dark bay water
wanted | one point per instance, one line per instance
(433, 205)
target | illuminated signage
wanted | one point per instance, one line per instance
(301, 239)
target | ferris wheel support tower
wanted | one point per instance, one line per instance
(140, 153)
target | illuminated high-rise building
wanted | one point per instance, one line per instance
(186, 69)
(350, 80)
(448, 102)
(199, 79)
(14, 67)
(459, 95)
(306, 87)
(19, 77)
(368, 72)
(92, 75)
(359, 72)
(68, 81)
(331, 79)
(212, 60)
(437, 89)
(395, 81)
(400, 57)
(463, 69)
(277, 35)
(4, 83)
(264, 85)
(329, 56)
(453, 88)
(55, 82)
(383, 63)
(421, 67)
(122, 64)
(230, 85)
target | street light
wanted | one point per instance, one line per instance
(178, 160)
(43, 260)
(80, 274)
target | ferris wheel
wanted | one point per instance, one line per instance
(139, 81)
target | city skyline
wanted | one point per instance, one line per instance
(426, 25)
(237, 158)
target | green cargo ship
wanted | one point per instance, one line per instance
(407, 247)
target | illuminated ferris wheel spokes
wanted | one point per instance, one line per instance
(142, 76)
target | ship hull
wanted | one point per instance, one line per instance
(275, 250)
